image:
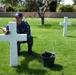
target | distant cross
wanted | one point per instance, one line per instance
(13, 37)
(65, 24)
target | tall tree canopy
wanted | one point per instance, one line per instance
(12, 2)
(23, 2)
(74, 1)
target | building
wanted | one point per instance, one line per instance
(2, 7)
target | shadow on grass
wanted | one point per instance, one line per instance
(72, 36)
(57, 67)
(48, 26)
(45, 26)
(25, 68)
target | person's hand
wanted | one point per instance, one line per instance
(5, 31)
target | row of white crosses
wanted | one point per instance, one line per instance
(65, 24)
(13, 37)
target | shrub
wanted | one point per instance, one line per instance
(10, 9)
(74, 8)
(20, 8)
(65, 8)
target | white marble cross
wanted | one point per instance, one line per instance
(65, 24)
(13, 37)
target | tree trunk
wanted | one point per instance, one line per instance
(42, 20)
(41, 15)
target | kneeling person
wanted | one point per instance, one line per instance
(22, 28)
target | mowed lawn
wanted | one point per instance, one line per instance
(46, 38)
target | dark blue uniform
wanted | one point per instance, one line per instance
(24, 28)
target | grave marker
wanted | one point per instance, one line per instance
(13, 37)
(65, 24)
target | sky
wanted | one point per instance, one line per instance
(66, 2)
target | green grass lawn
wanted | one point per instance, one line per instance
(46, 38)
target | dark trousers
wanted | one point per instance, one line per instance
(29, 42)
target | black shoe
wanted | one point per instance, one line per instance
(31, 53)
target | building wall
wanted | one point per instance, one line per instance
(35, 14)
(2, 7)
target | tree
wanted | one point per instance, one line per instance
(13, 2)
(42, 6)
(52, 6)
(74, 2)
(31, 5)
